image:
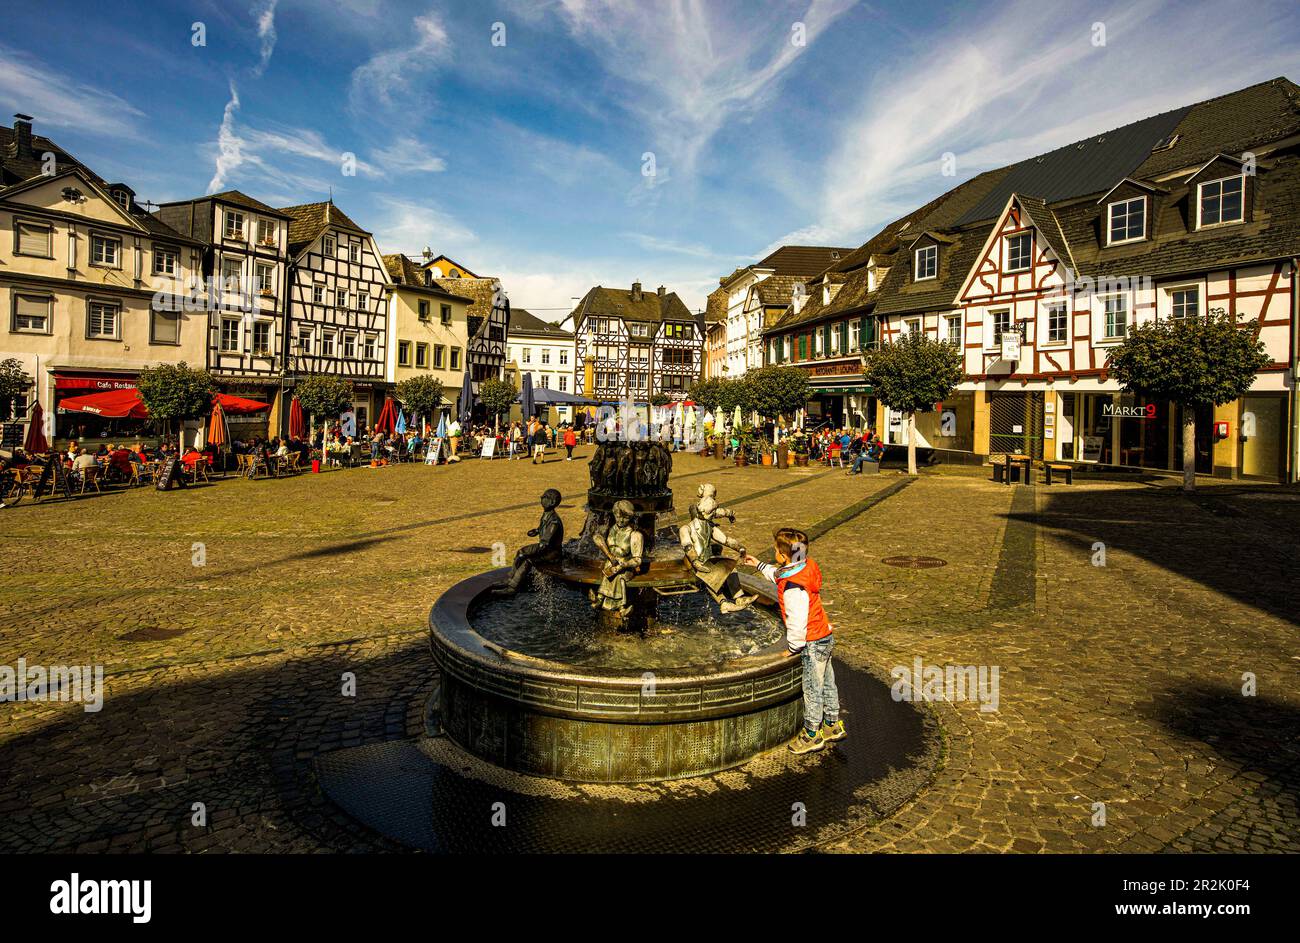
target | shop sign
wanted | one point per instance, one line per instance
(98, 384)
(835, 369)
(1011, 345)
(1110, 410)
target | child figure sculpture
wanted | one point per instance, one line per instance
(550, 537)
(624, 549)
(698, 537)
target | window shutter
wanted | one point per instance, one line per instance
(844, 337)
(33, 240)
(826, 340)
(863, 340)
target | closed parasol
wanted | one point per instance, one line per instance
(35, 443)
(297, 422)
(387, 417)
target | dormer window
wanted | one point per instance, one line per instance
(123, 199)
(1221, 201)
(927, 263)
(1126, 220)
(1020, 252)
(234, 225)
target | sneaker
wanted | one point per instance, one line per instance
(807, 744)
(833, 732)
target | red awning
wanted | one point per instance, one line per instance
(238, 406)
(114, 404)
(104, 383)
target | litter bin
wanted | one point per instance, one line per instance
(315, 466)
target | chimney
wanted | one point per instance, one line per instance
(23, 136)
(661, 291)
(636, 291)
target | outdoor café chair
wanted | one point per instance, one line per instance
(91, 477)
(201, 469)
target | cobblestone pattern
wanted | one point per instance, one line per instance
(1119, 684)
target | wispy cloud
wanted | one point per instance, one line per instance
(55, 99)
(264, 13)
(679, 82)
(404, 226)
(393, 72)
(406, 155)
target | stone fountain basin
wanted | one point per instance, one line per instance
(591, 724)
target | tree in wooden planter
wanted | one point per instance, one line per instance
(421, 395)
(497, 396)
(324, 397)
(174, 392)
(1192, 361)
(914, 372)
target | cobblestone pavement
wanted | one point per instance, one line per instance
(1119, 684)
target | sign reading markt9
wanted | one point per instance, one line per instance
(1115, 411)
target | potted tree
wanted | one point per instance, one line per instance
(799, 447)
(913, 372)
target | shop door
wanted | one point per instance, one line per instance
(1261, 423)
(1016, 424)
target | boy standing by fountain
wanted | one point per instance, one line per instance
(808, 633)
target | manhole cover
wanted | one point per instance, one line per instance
(915, 563)
(152, 634)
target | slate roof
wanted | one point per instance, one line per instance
(601, 302)
(802, 260)
(308, 220)
(716, 306)
(525, 322)
(479, 291)
(407, 274)
(239, 198)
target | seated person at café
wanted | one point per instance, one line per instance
(83, 461)
(191, 457)
(119, 461)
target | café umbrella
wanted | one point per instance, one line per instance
(387, 417)
(400, 426)
(218, 436)
(35, 443)
(465, 402)
(297, 423)
(526, 404)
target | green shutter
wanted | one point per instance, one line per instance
(844, 337)
(826, 340)
(803, 346)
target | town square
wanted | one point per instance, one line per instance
(604, 427)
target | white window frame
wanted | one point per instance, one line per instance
(224, 347)
(318, 294)
(993, 336)
(266, 226)
(1029, 253)
(1200, 202)
(258, 326)
(264, 272)
(327, 246)
(1111, 213)
(349, 345)
(363, 301)
(110, 306)
(949, 321)
(932, 256)
(97, 242)
(236, 231)
(340, 298)
(48, 316)
(162, 254)
(226, 276)
(354, 253)
(404, 353)
(912, 326)
(1106, 336)
(1050, 308)
(306, 335)
(329, 343)
(1169, 291)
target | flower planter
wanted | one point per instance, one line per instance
(767, 458)
(741, 459)
(801, 461)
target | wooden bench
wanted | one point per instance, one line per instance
(1060, 468)
(1002, 470)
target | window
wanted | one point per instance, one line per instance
(317, 294)
(327, 343)
(370, 347)
(1020, 252)
(439, 356)
(34, 239)
(234, 225)
(912, 326)
(1000, 321)
(1058, 324)
(327, 246)
(528, 356)
(855, 335)
(341, 298)
(422, 355)
(350, 346)
(230, 334)
(564, 383)
(266, 232)
(304, 339)
(1221, 201)
(927, 263)
(564, 358)
(232, 271)
(445, 313)
(1116, 307)
(455, 358)
(363, 301)
(403, 353)
(164, 327)
(104, 250)
(835, 339)
(265, 278)
(637, 329)
(1128, 220)
(166, 260)
(546, 355)
(354, 252)
(103, 319)
(262, 338)
(1184, 303)
(33, 313)
(546, 381)
(787, 342)
(423, 308)
(953, 322)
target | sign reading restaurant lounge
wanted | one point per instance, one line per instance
(1129, 412)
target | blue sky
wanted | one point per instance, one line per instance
(527, 160)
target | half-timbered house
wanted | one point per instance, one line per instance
(487, 323)
(338, 304)
(633, 346)
(244, 268)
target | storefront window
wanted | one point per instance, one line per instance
(951, 427)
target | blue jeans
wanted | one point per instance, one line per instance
(821, 699)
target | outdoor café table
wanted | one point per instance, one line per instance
(1025, 461)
